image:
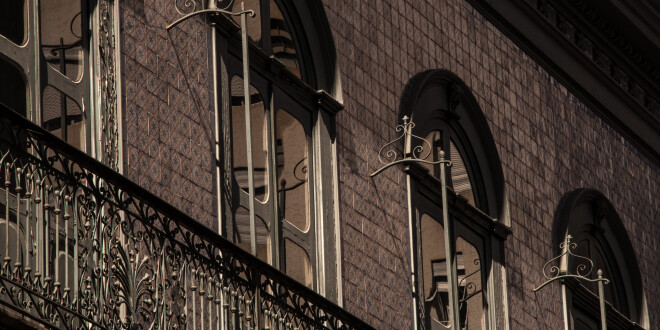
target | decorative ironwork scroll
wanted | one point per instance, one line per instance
(583, 269)
(190, 8)
(109, 116)
(84, 248)
(388, 155)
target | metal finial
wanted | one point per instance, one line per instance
(389, 156)
(584, 268)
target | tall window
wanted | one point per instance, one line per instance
(450, 120)
(288, 222)
(43, 61)
(594, 225)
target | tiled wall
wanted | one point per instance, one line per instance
(168, 130)
(549, 143)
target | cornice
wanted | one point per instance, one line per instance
(622, 95)
(646, 94)
(615, 37)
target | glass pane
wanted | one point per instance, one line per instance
(459, 175)
(434, 264)
(13, 92)
(259, 139)
(470, 293)
(297, 263)
(242, 234)
(292, 171)
(253, 23)
(284, 48)
(12, 20)
(57, 105)
(431, 152)
(61, 36)
(586, 247)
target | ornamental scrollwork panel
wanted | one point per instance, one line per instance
(84, 248)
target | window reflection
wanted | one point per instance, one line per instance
(436, 290)
(63, 117)
(470, 293)
(61, 36)
(459, 175)
(436, 286)
(259, 139)
(253, 23)
(297, 263)
(460, 179)
(292, 168)
(13, 91)
(12, 20)
(242, 234)
(284, 49)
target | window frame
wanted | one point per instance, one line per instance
(599, 225)
(38, 74)
(483, 229)
(281, 84)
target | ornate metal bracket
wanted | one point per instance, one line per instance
(188, 8)
(417, 154)
(553, 273)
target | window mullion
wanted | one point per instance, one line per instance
(265, 27)
(275, 198)
(248, 130)
(450, 248)
(34, 62)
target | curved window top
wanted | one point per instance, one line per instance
(297, 34)
(595, 227)
(448, 116)
(273, 30)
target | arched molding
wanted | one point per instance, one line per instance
(313, 36)
(439, 97)
(587, 213)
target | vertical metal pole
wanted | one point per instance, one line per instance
(46, 229)
(39, 226)
(248, 127)
(563, 269)
(411, 227)
(76, 220)
(564, 296)
(449, 249)
(56, 268)
(63, 109)
(29, 186)
(601, 297)
(7, 184)
(17, 262)
(67, 215)
(216, 119)
(193, 288)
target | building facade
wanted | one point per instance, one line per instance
(399, 164)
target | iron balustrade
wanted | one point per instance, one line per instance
(82, 247)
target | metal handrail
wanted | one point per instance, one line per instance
(145, 262)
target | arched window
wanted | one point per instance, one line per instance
(595, 227)
(449, 118)
(288, 221)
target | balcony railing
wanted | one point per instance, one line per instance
(83, 247)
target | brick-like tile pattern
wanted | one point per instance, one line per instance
(549, 143)
(167, 129)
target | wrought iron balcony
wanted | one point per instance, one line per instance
(83, 247)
